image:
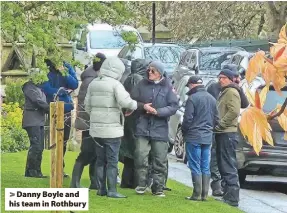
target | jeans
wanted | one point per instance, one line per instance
(159, 162)
(215, 174)
(67, 129)
(198, 156)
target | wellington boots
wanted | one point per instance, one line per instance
(93, 177)
(205, 187)
(216, 188)
(77, 174)
(197, 187)
(112, 173)
(101, 179)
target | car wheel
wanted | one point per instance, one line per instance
(242, 176)
(178, 144)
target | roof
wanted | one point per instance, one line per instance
(104, 27)
(160, 44)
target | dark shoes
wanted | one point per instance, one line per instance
(216, 188)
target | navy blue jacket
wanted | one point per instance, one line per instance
(200, 116)
(163, 99)
(57, 80)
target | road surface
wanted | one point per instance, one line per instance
(264, 194)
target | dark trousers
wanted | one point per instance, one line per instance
(159, 162)
(128, 175)
(88, 149)
(107, 161)
(34, 156)
(67, 129)
(215, 174)
(227, 164)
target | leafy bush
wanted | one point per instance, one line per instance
(13, 137)
(13, 91)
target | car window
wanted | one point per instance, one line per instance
(123, 52)
(213, 60)
(193, 58)
(164, 54)
(106, 39)
(134, 53)
(272, 99)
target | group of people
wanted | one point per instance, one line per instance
(127, 120)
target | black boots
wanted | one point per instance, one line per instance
(216, 188)
(93, 177)
(77, 174)
(197, 187)
(231, 197)
(101, 180)
(112, 172)
(205, 187)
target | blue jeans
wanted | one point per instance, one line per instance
(198, 157)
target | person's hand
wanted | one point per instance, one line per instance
(149, 109)
(129, 112)
(62, 91)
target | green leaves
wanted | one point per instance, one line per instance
(45, 25)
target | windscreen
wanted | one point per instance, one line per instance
(106, 39)
(214, 60)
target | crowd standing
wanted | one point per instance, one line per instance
(126, 119)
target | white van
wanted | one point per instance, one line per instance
(106, 39)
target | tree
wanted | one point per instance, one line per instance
(254, 124)
(42, 25)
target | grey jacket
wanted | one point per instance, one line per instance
(104, 101)
(163, 99)
(200, 116)
(35, 105)
(83, 119)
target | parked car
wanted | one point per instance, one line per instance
(168, 54)
(272, 159)
(241, 59)
(102, 38)
(204, 61)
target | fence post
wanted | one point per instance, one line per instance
(60, 143)
(52, 143)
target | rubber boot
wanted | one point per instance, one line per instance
(197, 187)
(216, 188)
(39, 163)
(93, 177)
(77, 174)
(112, 172)
(101, 179)
(205, 187)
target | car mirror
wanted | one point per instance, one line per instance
(80, 47)
(129, 57)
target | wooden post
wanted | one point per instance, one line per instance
(60, 143)
(52, 142)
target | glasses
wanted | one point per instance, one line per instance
(151, 70)
(222, 77)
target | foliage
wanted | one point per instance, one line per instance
(43, 25)
(13, 137)
(13, 91)
(204, 20)
(254, 123)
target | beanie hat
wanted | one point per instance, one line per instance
(233, 68)
(159, 66)
(228, 73)
(98, 61)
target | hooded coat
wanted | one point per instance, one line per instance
(138, 71)
(104, 101)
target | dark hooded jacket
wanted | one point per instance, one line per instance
(35, 105)
(83, 119)
(163, 99)
(138, 71)
(200, 116)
